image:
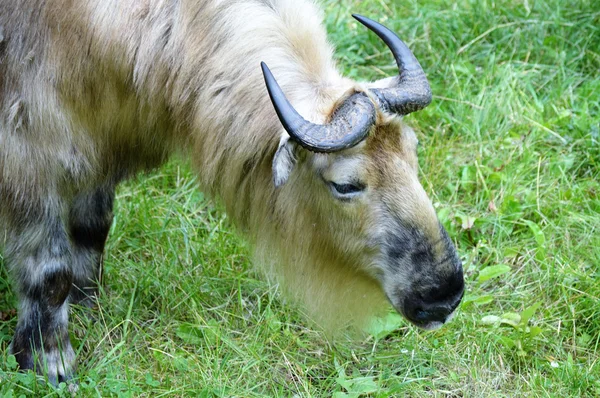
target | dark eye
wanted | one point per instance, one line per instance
(346, 190)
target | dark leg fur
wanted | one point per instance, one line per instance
(40, 256)
(53, 265)
(89, 222)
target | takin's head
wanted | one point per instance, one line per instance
(367, 198)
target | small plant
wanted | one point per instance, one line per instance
(521, 336)
(354, 386)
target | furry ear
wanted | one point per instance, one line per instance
(284, 161)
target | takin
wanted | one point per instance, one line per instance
(317, 171)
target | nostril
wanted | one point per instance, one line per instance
(421, 315)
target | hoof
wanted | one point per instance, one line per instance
(57, 366)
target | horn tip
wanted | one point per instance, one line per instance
(267, 75)
(363, 20)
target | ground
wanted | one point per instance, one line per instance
(510, 155)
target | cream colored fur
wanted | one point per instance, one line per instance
(96, 90)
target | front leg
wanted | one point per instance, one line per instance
(89, 222)
(39, 255)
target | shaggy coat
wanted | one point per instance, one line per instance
(94, 91)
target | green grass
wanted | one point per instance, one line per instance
(510, 156)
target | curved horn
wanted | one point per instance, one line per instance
(412, 91)
(349, 125)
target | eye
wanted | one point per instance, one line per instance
(346, 191)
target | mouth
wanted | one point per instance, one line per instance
(429, 325)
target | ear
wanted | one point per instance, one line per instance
(284, 161)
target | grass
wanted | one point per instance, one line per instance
(510, 156)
